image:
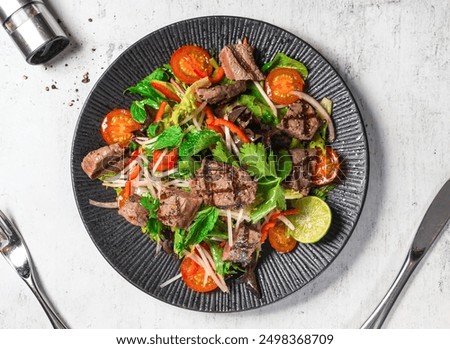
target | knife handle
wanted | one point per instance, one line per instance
(381, 312)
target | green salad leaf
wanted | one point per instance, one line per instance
(319, 139)
(283, 61)
(203, 223)
(195, 142)
(254, 157)
(222, 268)
(273, 194)
(154, 227)
(179, 241)
(144, 88)
(169, 138)
(322, 192)
(258, 108)
(222, 154)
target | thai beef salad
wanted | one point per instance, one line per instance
(212, 161)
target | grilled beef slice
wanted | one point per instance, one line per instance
(220, 94)
(245, 242)
(133, 212)
(178, 207)
(300, 121)
(304, 162)
(223, 185)
(110, 158)
(239, 64)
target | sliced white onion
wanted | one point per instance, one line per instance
(195, 122)
(239, 219)
(266, 98)
(145, 140)
(168, 282)
(287, 222)
(321, 110)
(188, 129)
(189, 118)
(235, 214)
(234, 147)
(230, 228)
(178, 87)
(209, 269)
(103, 204)
(280, 106)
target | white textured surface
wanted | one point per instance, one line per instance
(395, 57)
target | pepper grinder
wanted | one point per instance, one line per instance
(33, 29)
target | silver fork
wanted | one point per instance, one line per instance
(13, 248)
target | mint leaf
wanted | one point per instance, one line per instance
(170, 137)
(203, 223)
(195, 142)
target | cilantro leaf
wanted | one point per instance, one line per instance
(203, 223)
(222, 154)
(195, 142)
(322, 192)
(254, 156)
(273, 195)
(170, 137)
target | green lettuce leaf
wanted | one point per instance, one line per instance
(222, 268)
(258, 108)
(144, 89)
(273, 194)
(282, 61)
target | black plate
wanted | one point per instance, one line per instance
(131, 253)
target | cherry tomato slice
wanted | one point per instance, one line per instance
(191, 63)
(167, 163)
(194, 276)
(327, 167)
(281, 82)
(278, 239)
(117, 127)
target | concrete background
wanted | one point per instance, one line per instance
(395, 57)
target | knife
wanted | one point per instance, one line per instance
(432, 225)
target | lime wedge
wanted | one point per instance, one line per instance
(312, 222)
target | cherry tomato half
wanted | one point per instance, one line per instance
(191, 63)
(117, 127)
(278, 239)
(281, 82)
(327, 167)
(194, 276)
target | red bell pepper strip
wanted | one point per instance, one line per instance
(265, 230)
(233, 128)
(161, 111)
(285, 213)
(134, 173)
(163, 88)
(124, 194)
(217, 75)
